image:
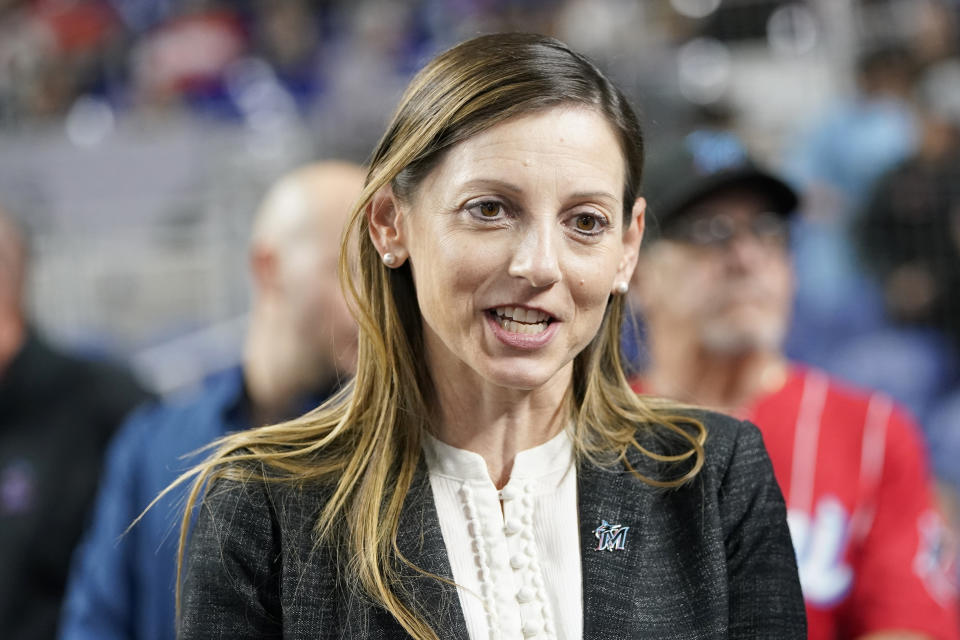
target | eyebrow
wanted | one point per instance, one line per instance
(516, 190)
(588, 195)
(492, 182)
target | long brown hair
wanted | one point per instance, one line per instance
(364, 443)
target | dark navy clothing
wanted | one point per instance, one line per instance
(122, 586)
(57, 414)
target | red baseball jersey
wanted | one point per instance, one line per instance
(872, 549)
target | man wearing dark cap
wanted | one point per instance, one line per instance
(714, 288)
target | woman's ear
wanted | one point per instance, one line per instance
(632, 237)
(385, 217)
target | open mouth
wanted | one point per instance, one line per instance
(521, 320)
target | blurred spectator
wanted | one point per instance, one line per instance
(715, 291)
(908, 237)
(934, 29)
(837, 161)
(57, 413)
(288, 35)
(905, 234)
(834, 165)
(186, 57)
(53, 52)
(300, 342)
(909, 231)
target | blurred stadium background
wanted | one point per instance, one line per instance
(137, 136)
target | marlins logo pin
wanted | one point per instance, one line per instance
(611, 537)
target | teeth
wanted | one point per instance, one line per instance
(519, 314)
(520, 320)
(521, 327)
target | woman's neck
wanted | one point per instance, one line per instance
(497, 423)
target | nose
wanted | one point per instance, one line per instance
(535, 258)
(746, 252)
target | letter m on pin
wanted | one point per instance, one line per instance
(611, 537)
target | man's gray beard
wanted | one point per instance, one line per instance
(731, 339)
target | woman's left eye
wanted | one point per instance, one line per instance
(588, 223)
(488, 209)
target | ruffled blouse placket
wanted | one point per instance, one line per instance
(501, 577)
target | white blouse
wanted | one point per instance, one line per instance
(517, 570)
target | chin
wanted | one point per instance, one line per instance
(743, 338)
(519, 380)
(522, 376)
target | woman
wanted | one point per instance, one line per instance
(488, 473)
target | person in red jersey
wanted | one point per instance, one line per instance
(714, 290)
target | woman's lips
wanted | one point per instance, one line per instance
(522, 327)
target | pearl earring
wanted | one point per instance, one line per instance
(389, 259)
(621, 287)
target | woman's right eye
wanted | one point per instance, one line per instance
(487, 209)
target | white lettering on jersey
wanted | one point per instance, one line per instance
(820, 545)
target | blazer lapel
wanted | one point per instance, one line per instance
(613, 507)
(420, 540)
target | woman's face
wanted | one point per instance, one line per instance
(516, 241)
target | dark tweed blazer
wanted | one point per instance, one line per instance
(710, 560)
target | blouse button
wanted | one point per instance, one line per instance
(512, 526)
(525, 595)
(508, 493)
(518, 562)
(531, 628)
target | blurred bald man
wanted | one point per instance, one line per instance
(300, 343)
(301, 335)
(57, 413)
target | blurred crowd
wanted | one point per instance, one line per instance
(255, 59)
(261, 61)
(855, 102)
